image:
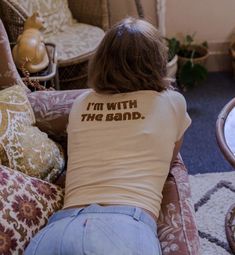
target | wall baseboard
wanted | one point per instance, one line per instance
(219, 57)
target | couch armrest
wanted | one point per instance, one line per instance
(177, 228)
(93, 12)
(51, 109)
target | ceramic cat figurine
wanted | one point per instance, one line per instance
(30, 51)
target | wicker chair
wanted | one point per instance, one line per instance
(75, 26)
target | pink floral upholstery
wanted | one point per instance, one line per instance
(25, 205)
(176, 223)
(51, 109)
(177, 229)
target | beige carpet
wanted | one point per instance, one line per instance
(212, 195)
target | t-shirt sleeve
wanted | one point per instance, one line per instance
(183, 120)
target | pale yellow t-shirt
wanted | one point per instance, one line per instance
(120, 147)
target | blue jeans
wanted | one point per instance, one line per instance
(97, 230)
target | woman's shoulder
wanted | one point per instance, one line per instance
(173, 93)
(174, 96)
(83, 95)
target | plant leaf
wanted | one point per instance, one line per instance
(200, 73)
(173, 46)
(191, 74)
(189, 39)
(185, 77)
(205, 44)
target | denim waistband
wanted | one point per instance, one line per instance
(137, 213)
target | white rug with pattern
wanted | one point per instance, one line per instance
(212, 195)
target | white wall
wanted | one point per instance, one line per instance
(122, 8)
(212, 20)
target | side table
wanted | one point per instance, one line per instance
(49, 76)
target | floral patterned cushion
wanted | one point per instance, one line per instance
(8, 73)
(55, 13)
(25, 205)
(76, 40)
(23, 146)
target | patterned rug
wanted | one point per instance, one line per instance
(212, 195)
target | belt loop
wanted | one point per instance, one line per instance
(137, 214)
(79, 211)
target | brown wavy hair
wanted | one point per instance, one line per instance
(132, 56)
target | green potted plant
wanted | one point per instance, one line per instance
(173, 48)
(191, 60)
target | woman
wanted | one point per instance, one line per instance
(122, 137)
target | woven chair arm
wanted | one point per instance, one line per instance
(13, 17)
(93, 12)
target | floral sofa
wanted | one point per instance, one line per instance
(26, 202)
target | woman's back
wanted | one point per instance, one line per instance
(120, 147)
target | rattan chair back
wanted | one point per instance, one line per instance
(220, 132)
